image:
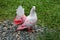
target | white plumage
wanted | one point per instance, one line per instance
(19, 12)
(20, 17)
(30, 20)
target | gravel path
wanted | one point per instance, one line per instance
(8, 32)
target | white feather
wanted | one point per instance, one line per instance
(19, 12)
(31, 19)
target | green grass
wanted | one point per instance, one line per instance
(48, 11)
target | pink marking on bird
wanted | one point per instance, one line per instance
(23, 17)
(30, 22)
(20, 21)
(21, 27)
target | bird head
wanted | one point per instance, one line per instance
(34, 8)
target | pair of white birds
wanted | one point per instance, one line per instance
(26, 22)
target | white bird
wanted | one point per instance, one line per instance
(20, 17)
(30, 20)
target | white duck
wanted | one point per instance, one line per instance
(20, 17)
(30, 20)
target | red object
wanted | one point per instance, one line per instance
(20, 21)
(30, 29)
(16, 22)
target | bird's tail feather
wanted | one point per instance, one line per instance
(20, 10)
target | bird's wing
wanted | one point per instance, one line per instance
(29, 22)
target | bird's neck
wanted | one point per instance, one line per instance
(32, 13)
